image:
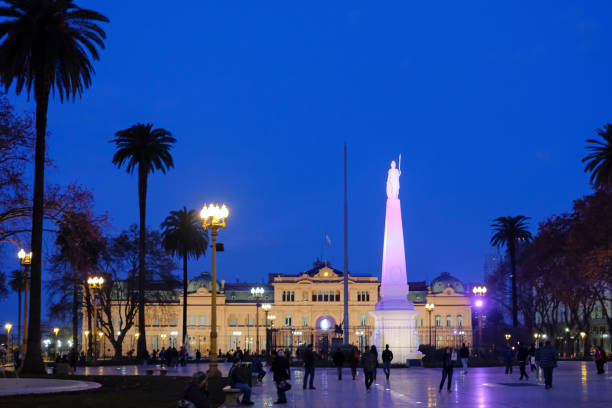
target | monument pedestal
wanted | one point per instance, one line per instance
(397, 329)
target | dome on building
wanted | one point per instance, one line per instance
(204, 280)
(446, 280)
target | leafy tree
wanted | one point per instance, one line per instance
(599, 161)
(46, 44)
(144, 149)
(18, 284)
(184, 236)
(508, 232)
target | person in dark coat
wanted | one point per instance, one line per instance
(354, 361)
(600, 360)
(196, 391)
(464, 355)
(447, 368)
(532, 353)
(281, 373)
(387, 356)
(239, 379)
(369, 362)
(548, 361)
(522, 356)
(309, 369)
(508, 355)
(338, 358)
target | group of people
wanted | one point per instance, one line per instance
(171, 356)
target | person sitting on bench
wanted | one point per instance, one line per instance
(238, 379)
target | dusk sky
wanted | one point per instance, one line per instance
(489, 104)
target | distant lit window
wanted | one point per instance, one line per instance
(449, 321)
(459, 321)
(233, 321)
(363, 320)
(438, 320)
(202, 320)
(304, 322)
(250, 321)
(173, 321)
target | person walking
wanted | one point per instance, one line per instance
(548, 361)
(464, 355)
(600, 360)
(195, 393)
(309, 369)
(354, 361)
(538, 353)
(387, 356)
(532, 362)
(369, 362)
(239, 379)
(280, 374)
(508, 354)
(522, 357)
(447, 368)
(338, 358)
(375, 352)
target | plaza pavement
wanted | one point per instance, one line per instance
(575, 384)
(20, 386)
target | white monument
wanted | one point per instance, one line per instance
(394, 314)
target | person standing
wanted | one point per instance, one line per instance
(239, 379)
(508, 354)
(281, 373)
(369, 362)
(338, 358)
(548, 361)
(538, 353)
(309, 369)
(354, 361)
(522, 357)
(447, 368)
(600, 360)
(464, 354)
(387, 356)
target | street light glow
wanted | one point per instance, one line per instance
(266, 306)
(257, 291)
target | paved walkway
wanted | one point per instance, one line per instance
(20, 386)
(575, 384)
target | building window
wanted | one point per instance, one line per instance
(459, 321)
(155, 343)
(326, 296)
(173, 321)
(288, 340)
(359, 296)
(293, 296)
(202, 320)
(422, 321)
(314, 296)
(367, 296)
(320, 296)
(233, 321)
(192, 320)
(288, 320)
(250, 321)
(284, 296)
(438, 320)
(449, 321)
(363, 320)
(337, 296)
(304, 322)
(156, 321)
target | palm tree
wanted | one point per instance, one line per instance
(183, 235)
(47, 45)
(599, 161)
(509, 231)
(18, 284)
(146, 149)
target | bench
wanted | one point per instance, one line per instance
(231, 396)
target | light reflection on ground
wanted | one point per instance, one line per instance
(575, 384)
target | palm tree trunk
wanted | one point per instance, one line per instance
(33, 363)
(184, 295)
(512, 252)
(142, 204)
(75, 315)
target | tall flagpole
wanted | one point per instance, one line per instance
(346, 270)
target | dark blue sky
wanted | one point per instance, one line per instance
(488, 103)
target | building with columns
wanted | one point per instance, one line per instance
(305, 308)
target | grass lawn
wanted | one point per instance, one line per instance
(116, 392)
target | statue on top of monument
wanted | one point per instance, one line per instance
(393, 179)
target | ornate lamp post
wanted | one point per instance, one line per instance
(271, 319)
(25, 259)
(582, 336)
(479, 291)
(213, 218)
(258, 294)
(430, 307)
(86, 333)
(95, 282)
(266, 308)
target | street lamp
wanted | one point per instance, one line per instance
(163, 337)
(8, 327)
(582, 336)
(507, 336)
(213, 218)
(258, 294)
(430, 307)
(25, 259)
(479, 292)
(95, 282)
(86, 333)
(271, 320)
